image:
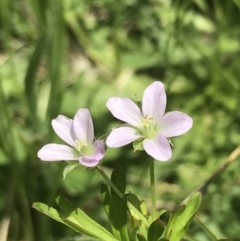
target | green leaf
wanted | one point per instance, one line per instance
(118, 178)
(81, 221)
(55, 56)
(139, 205)
(69, 168)
(143, 207)
(180, 220)
(118, 217)
(137, 215)
(51, 212)
(160, 212)
(155, 231)
(133, 199)
(106, 198)
(138, 145)
(140, 237)
(118, 206)
(133, 231)
(32, 70)
(116, 210)
(113, 202)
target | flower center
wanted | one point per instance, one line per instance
(148, 128)
(83, 148)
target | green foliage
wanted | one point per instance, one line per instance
(118, 205)
(69, 168)
(59, 56)
(120, 216)
(118, 178)
(74, 218)
(155, 231)
(179, 222)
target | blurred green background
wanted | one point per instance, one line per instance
(59, 56)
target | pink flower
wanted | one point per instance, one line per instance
(149, 125)
(77, 133)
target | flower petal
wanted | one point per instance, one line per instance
(56, 152)
(154, 100)
(175, 123)
(159, 148)
(62, 126)
(125, 110)
(83, 126)
(93, 160)
(122, 136)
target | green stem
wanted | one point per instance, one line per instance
(210, 234)
(153, 195)
(108, 181)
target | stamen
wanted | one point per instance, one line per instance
(83, 147)
(148, 128)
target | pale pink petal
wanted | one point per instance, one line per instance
(175, 123)
(93, 160)
(122, 136)
(56, 152)
(83, 126)
(154, 100)
(125, 110)
(159, 148)
(62, 126)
